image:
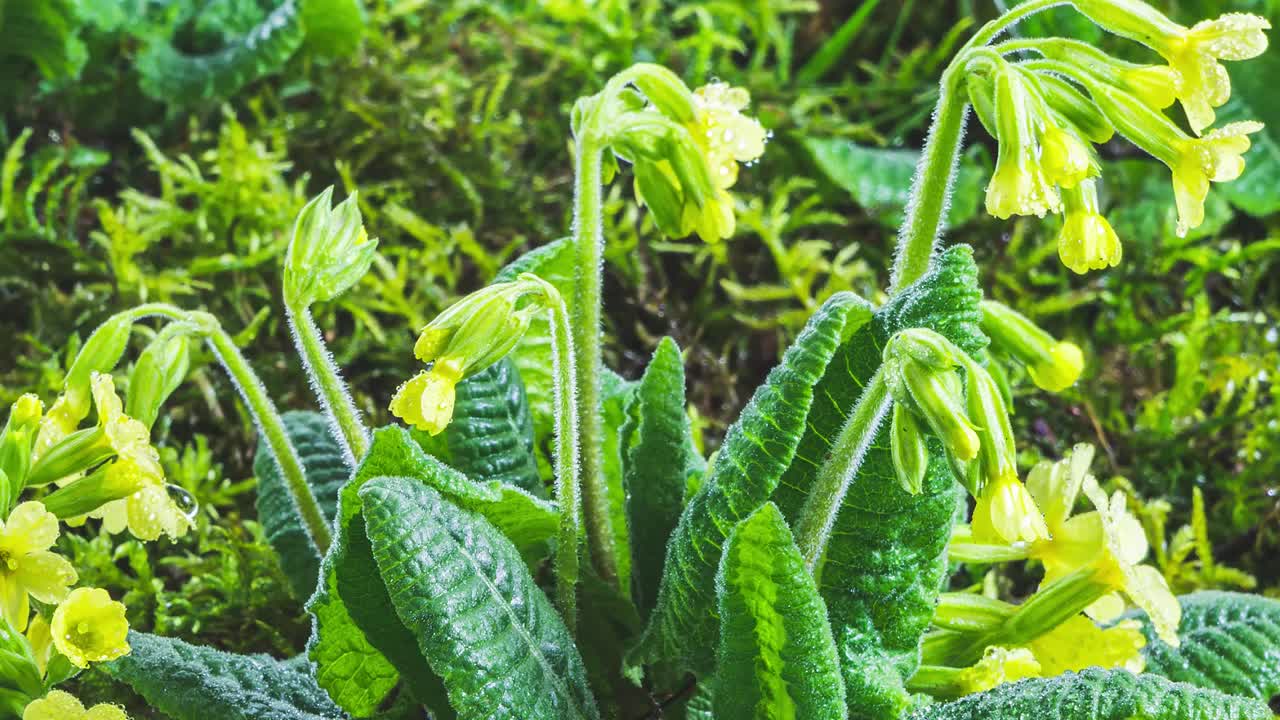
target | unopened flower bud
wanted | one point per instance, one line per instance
(1053, 365)
(985, 407)
(160, 369)
(329, 252)
(908, 449)
(1087, 241)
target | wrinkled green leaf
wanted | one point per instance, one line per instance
(464, 594)
(1098, 695)
(491, 434)
(1230, 642)
(660, 457)
(879, 179)
(190, 682)
(756, 451)
(777, 658)
(326, 473)
(886, 542)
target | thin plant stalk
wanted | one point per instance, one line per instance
(327, 384)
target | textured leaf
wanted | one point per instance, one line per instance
(756, 451)
(189, 682)
(886, 542)
(491, 435)
(1098, 695)
(171, 76)
(326, 473)
(879, 179)
(1230, 642)
(464, 594)
(777, 659)
(617, 396)
(660, 457)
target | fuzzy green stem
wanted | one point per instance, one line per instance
(327, 383)
(269, 422)
(568, 490)
(588, 239)
(935, 174)
(818, 516)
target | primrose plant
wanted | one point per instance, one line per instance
(544, 541)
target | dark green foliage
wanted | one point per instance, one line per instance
(1230, 642)
(757, 450)
(1098, 695)
(777, 658)
(886, 543)
(326, 473)
(188, 682)
(464, 594)
(660, 457)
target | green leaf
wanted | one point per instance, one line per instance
(1230, 642)
(747, 468)
(886, 542)
(617, 396)
(1098, 695)
(660, 457)
(464, 594)
(190, 682)
(777, 657)
(334, 27)
(326, 473)
(879, 179)
(491, 434)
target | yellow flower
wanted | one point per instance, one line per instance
(27, 567)
(90, 627)
(426, 401)
(1109, 540)
(1065, 158)
(1006, 513)
(1216, 157)
(1087, 241)
(1079, 643)
(1155, 85)
(998, 666)
(1060, 370)
(1020, 185)
(40, 638)
(727, 136)
(1194, 53)
(58, 705)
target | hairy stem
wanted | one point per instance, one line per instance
(568, 491)
(269, 422)
(818, 516)
(326, 382)
(588, 239)
(935, 174)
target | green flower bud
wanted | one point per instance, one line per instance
(1053, 365)
(936, 396)
(908, 449)
(15, 447)
(926, 347)
(329, 252)
(70, 456)
(665, 90)
(1064, 99)
(100, 353)
(158, 372)
(83, 496)
(997, 456)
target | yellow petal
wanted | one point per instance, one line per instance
(998, 666)
(153, 513)
(90, 627)
(30, 528)
(57, 705)
(114, 515)
(106, 712)
(45, 576)
(1005, 512)
(14, 603)
(1079, 643)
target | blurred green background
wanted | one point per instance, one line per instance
(158, 150)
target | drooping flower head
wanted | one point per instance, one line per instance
(1086, 241)
(27, 567)
(90, 627)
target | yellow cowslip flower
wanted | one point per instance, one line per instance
(1066, 159)
(725, 135)
(998, 666)
(1155, 85)
(1019, 185)
(1216, 157)
(426, 401)
(1054, 365)
(90, 627)
(1086, 241)
(1061, 370)
(146, 508)
(58, 705)
(1109, 540)
(1006, 513)
(1194, 53)
(1079, 643)
(27, 567)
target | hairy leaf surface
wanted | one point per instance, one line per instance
(491, 434)
(463, 592)
(326, 473)
(886, 562)
(1230, 642)
(777, 658)
(660, 456)
(190, 682)
(1098, 695)
(756, 451)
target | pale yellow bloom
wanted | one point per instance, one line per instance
(1216, 157)
(1064, 157)
(1006, 513)
(27, 567)
(90, 627)
(998, 666)
(426, 401)
(1060, 370)
(1079, 643)
(1194, 53)
(1086, 241)
(726, 135)
(58, 705)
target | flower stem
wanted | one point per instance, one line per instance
(931, 188)
(269, 422)
(327, 383)
(818, 516)
(568, 489)
(588, 239)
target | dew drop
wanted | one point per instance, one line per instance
(187, 504)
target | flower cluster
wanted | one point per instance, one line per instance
(1048, 101)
